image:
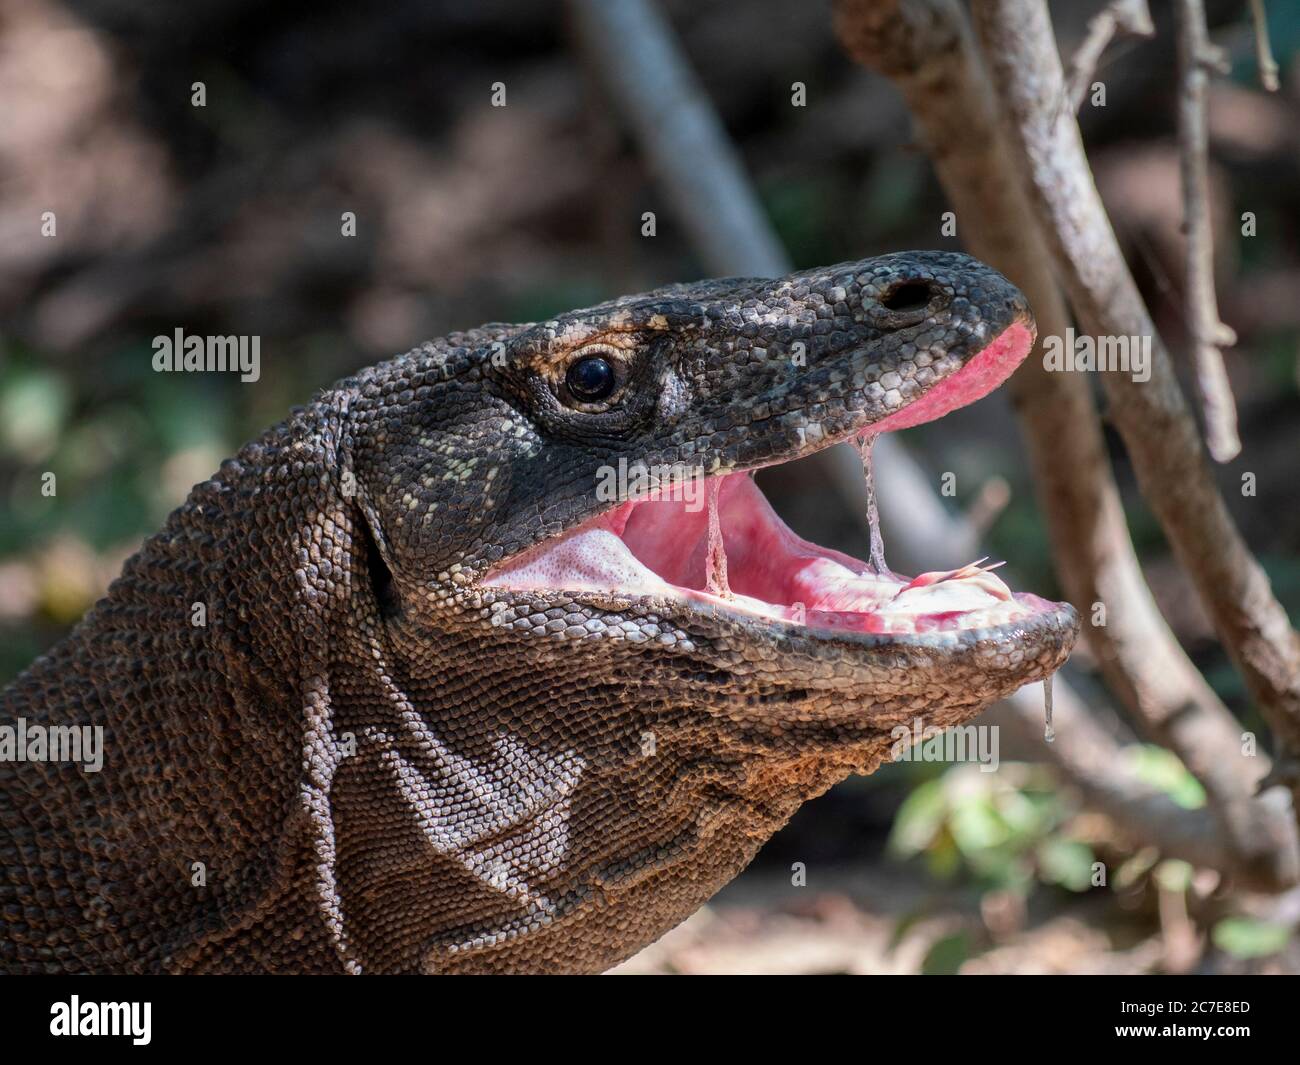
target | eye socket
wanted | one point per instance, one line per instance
(590, 379)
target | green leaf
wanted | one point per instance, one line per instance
(943, 859)
(33, 408)
(1248, 937)
(1066, 862)
(946, 955)
(919, 819)
(1162, 769)
(1174, 875)
(977, 827)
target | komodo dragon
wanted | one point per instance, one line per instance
(459, 706)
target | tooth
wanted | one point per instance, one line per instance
(715, 561)
(865, 443)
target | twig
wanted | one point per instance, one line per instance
(924, 46)
(1152, 416)
(1263, 49)
(1130, 16)
(1207, 333)
(679, 131)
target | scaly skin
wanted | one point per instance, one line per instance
(384, 765)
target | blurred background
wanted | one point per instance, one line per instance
(225, 219)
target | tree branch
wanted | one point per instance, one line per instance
(1196, 58)
(1263, 49)
(1130, 16)
(682, 138)
(1088, 757)
(1152, 416)
(924, 46)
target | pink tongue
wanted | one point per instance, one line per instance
(824, 584)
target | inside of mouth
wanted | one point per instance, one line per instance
(754, 563)
(717, 540)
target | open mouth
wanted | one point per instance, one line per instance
(717, 541)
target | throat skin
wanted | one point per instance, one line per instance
(373, 759)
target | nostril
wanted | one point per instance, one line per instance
(906, 296)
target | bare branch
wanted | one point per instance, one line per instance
(1152, 415)
(683, 140)
(1263, 49)
(1206, 331)
(924, 46)
(1129, 16)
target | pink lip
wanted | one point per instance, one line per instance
(993, 365)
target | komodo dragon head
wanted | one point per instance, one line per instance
(466, 692)
(601, 731)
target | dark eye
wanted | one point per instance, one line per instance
(591, 379)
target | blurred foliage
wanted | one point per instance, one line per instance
(947, 954)
(1248, 937)
(1007, 829)
(1015, 828)
(1161, 769)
